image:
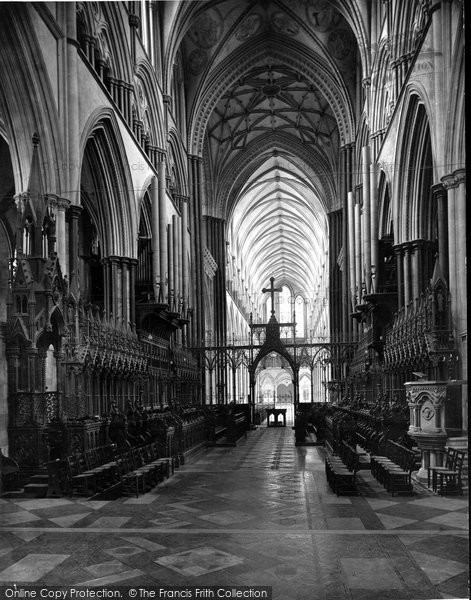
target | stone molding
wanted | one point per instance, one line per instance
(454, 179)
(58, 203)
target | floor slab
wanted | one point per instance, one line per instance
(258, 514)
(31, 568)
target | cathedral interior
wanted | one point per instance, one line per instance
(233, 297)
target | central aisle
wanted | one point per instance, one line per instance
(258, 514)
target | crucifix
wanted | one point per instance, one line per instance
(272, 289)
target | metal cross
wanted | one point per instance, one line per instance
(272, 289)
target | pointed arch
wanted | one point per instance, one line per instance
(415, 210)
(363, 139)
(385, 208)
(117, 20)
(21, 68)
(179, 161)
(382, 90)
(145, 74)
(102, 143)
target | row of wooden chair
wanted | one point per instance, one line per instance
(92, 471)
(447, 478)
(134, 471)
(341, 470)
(369, 439)
(393, 470)
(139, 471)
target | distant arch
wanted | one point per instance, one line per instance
(112, 198)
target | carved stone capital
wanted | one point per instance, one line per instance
(75, 210)
(161, 155)
(454, 179)
(134, 21)
(196, 158)
(417, 244)
(438, 191)
(181, 197)
(21, 200)
(58, 203)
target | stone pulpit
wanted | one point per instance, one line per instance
(426, 400)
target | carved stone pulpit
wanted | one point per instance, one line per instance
(426, 401)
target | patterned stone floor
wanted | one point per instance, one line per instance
(258, 514)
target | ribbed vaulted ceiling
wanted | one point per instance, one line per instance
(261, 75)
(279, 226)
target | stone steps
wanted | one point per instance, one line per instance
(37, 486)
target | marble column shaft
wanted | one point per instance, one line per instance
(163, 250)
(407, 274)
(345, 321)
(460, 213)
(176, 256)
(170, 267)
(155, 226)
(200, 241)
(440, 197)
(398, 250)
(106, 285)
(184, 247)
(351, 246)
(366, 160)
(416, 271)
(132, 286)
(374, 222)
(456, 189)
(62, 205)
(125, 290)
(73, 134)
(115, 285)
(358, 247)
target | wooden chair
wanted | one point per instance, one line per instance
(149, 469)
(449, 481)
(341, 470)
(106, 471)
(82, 482)
(93, 462)
(132, 482)
(448, 466)
(379, 462)
(399, 476)
(168, 463)
(157, 465)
